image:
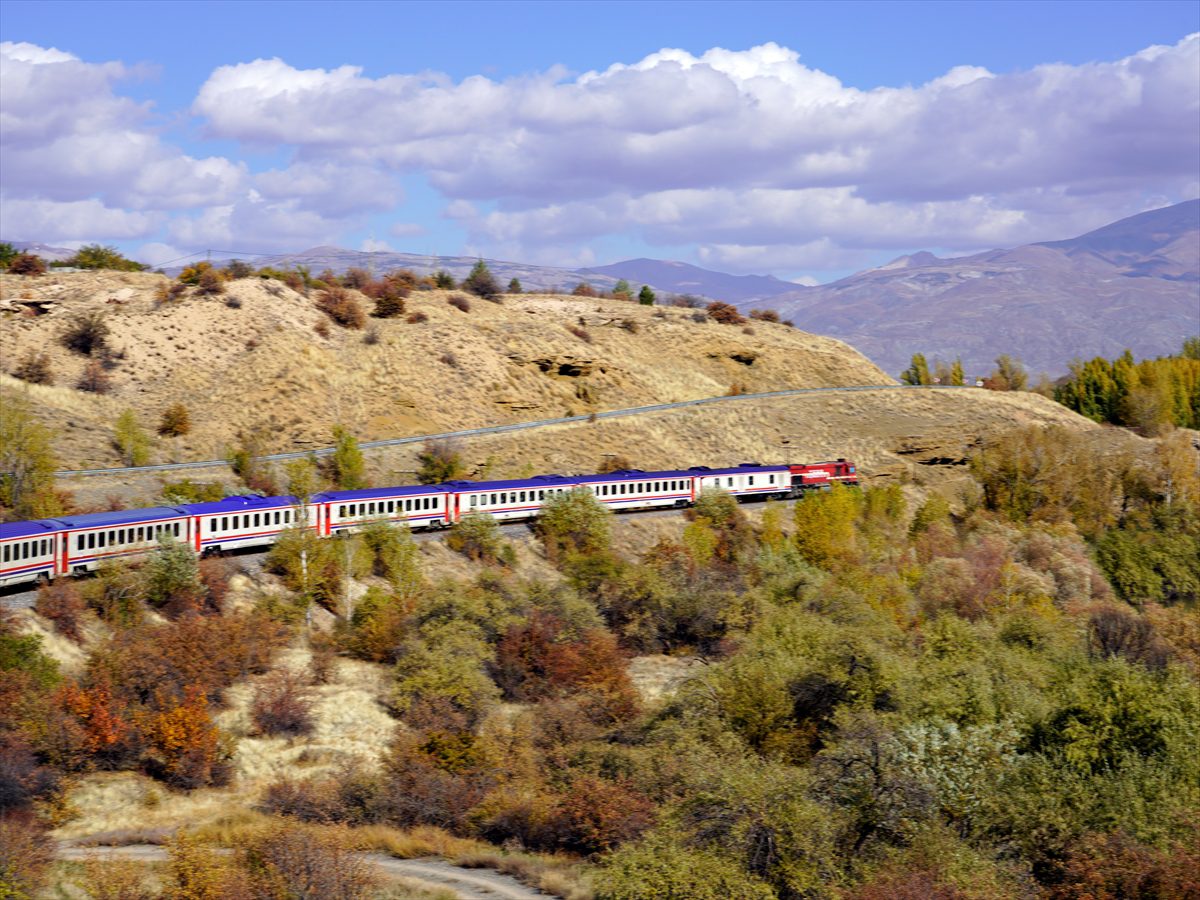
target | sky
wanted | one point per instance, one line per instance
(804, 140)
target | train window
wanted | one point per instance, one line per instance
(751, 480)
(102, 540)
(493, 501)
(176, 529)
(770, 479)
(6, 553)
(341, 512)
(429, 503)
(257, 520)
(287, 516)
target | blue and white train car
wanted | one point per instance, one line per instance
(507, 501)
(418, 506)
(243, 521)
(93, 538)
(28, 551)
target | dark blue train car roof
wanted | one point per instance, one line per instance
(538, 481)
(12, 530)
(121, 517)
(407, 490)
(237, 504)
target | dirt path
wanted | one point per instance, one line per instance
(430, 874)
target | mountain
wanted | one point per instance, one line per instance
(683, 278)
(45, 251)
(540, 278)
(1132, 284)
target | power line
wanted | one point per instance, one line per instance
(232, 253)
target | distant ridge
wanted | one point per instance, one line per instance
(684, 278)
(1132, 284)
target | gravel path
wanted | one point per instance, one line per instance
(431, 874)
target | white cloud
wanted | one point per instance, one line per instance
(747, 148)
(79, 220)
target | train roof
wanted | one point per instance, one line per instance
(121, 517)
(539, 481)
(377, 493)
(11, 530)
(238, 503)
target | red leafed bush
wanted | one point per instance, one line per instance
(725, 313)
(185, 746)
(597, 815)
(282, 706)
(62, 603)
(341, 306)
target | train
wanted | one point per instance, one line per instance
(46, 549)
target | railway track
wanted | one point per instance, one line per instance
(516, 426)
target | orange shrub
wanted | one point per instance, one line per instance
(185, 745)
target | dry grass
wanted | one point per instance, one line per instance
(194, 351)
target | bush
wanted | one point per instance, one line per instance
(62, 603)
(581, 333)
(342, 307)
(172, 577)
(477, 536)
(459, 302)
(35, 368)
(575, 522)
(449, 359)
(97, 256)
(514, 286)
(288, 860)
(188, 491)
(236, 269)
(646, 296)
(86, 334)
(210, 283)
(27, 264)
(186, 749)
(440, 462)
(583, 289)
(282, 706)
(416, 318)
(388, 306)
(725, 313)
(130, 441)
(443, 280)
(176, 421)
(25, 856)
(371, 338)
(94, 380)
(765, 315)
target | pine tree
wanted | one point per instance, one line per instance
(646, 296)
(514, 286)
(481, 282)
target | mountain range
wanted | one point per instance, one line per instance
(1132, 284)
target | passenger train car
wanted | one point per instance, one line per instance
(71, 545)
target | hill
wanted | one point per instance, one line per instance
(252, 362)
(1133, 284)
(682, 278)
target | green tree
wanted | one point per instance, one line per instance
(131, 441)
(622, 290)
(514, 286)
(477, 536)
(97, 256)
(394, 556)
(646, 296)
(917, 372)
(27, 461)
(575, 522)
(346, 467)
(173, 574)
(956, 372)
(7, 254)
(481, 282)
(825, 533)
(661, 866)
(1009, 375)
(444, 280)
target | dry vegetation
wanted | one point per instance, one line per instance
(249, 360)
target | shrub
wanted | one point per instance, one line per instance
(27, 264)
(598, 815)
(236, 269)
(233, 302)
(25, 856)
(583, 289)
(449, 359)
(459, 302)
(687, 301)
(322, 328)
(7, 254)
(176, 421)
(290, 860)
(210, 283)
(581, 333)
(575, 522)
(765, 315)
(95, 379)
(514, 286)
(186, 749)
(416, 318)
(371, 338)
(441, 461)
(172, 575)
(725, 313)
(130, 441)
(481, 282)
(477, 536)
(97, 256)
(35, 368)
(61, 602)
(614, 462)
(388, 306)
(646, 296)
(444, 280)
(282, 706)
(345, 467)
(342, 307)
(86, 334)
(631, 325)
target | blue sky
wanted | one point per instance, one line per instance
(825, 138)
